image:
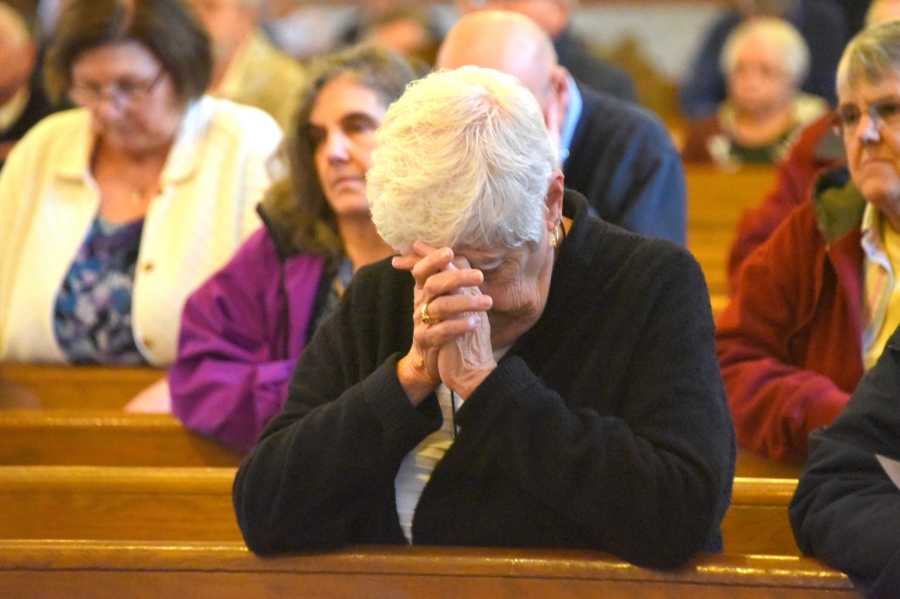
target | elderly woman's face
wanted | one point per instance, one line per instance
(870, 114)
(759, 82)
(130, 95)
(342, 128)
(518, 281)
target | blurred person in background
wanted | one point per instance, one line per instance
(413, 33)
(554, 17)
(764, 60)
(616, 153)
(243, 330)
(114, 212)
(819, 147)
(22, 104)
(821, 23)
(247, 68)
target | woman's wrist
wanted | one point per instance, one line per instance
(415, 380)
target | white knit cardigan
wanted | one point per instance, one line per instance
(214, 176)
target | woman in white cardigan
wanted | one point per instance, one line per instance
(113, 212)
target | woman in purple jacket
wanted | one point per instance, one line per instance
(243, 330)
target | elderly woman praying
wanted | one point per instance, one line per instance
(521, 374)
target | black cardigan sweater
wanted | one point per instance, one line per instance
(605, 425)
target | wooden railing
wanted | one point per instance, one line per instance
(65, 386)
(194, 504)
(113, 438)
(61, 569)
(105, 438)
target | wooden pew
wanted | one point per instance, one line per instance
(752, 465)
(63, 386)
(757, 520)
(58, 569)
(105, 438)
(113, 438)
(194, 504)
(716, 201)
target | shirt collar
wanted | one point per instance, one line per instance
(872, 240)
(573, 114)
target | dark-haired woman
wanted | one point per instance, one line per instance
(243, 331)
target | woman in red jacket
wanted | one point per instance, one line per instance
(816, 303)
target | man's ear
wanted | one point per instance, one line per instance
(556, 106)
(559, 80)
(554, 199)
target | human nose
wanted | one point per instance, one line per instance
(107, 105)
(870, 126)
(337, 148)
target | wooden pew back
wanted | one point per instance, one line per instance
(716, 201)
(113, 438)
(56, 569)
(78, 387)
(104, 438)
(194, 504)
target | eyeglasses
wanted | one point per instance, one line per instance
(884, 113)
(121, 93)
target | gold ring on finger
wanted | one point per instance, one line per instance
(426, 319)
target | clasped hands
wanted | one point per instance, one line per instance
(454, 346)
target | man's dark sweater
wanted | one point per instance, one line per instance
(623, 161)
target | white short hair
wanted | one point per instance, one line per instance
(463, 157)
(871, 55)
(792, 47)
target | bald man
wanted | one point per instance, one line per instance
(20, 105)
(554, 17)
(617, 154)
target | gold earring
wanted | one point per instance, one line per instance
(554, 237)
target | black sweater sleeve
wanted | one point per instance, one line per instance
(846, 510)
(322, 474)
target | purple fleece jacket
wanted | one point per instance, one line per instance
(241, 334)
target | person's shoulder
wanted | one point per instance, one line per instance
(236, 119)
(56, 126)
(56, 141)
(606, 111)
(598, 243)
(279, 63)
(254, 260)
(258, 248)
(380, 277)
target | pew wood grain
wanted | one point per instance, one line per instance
(113, 438)
(105, 438)
(716, 201)
(65, 386)
(55, 569)
(194, 504)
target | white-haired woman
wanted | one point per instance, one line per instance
(521, 375)
(765, 61)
